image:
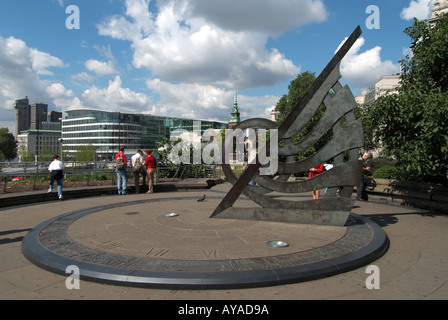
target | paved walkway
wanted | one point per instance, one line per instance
(414, 267)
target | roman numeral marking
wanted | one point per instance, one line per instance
(157, 252)
(211, 254)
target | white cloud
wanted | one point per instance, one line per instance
(138, 10)
(420, 9)
(112, 98)
(61, 3)
(57, 90)
(197, 49)
(20, 68)
(268, 16)
(209, 102)
(43, 60)
(183, 100)
(212, 42)
(362, 69)
(83, 76)
(100, 68)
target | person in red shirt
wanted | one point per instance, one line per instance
(312, 173)
(122, 174)
(151, 165)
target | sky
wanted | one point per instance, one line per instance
(186, 58)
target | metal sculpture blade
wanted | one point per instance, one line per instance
(334, 208)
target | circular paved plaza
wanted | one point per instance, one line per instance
(131, 242)
(173, 243)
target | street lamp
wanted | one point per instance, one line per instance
(60, 141)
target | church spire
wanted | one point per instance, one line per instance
(235, 119)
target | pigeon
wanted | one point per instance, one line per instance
(202, 198)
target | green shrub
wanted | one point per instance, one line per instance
(378, 162)
(388, 172)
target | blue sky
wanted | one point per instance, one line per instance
(183, 58)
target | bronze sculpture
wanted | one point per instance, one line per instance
(343, 148)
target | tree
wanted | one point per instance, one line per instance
(164, 147)
(8, 145)
(24, 154)
(297, 89)
(47, 153)
(85, 153)
(413, 124)
(370, 142)
(427, 68)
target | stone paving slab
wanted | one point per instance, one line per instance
(414, 267)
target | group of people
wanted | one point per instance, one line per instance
(141, 167)
(146, 167)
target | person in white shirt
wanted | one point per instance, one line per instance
(56, 169)
(139, 169)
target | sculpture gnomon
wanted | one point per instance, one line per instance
(339, 117)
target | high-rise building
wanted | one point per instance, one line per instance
(35, 117)
(55, 116)
(36, 129)
(23, 115)
(39, 114)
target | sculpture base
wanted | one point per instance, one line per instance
(142, 244)
(315, 217)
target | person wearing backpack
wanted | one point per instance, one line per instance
(121, 164)
(138, 169)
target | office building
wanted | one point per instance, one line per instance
(36, 129)
(38, 142)
(384, 85)
(38, 115)
(23, 115)
(35, 117)
(440, 7)
(108, 131)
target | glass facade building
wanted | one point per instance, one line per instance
(108, 131)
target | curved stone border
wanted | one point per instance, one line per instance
(48, 246)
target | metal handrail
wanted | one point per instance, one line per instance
(35, 170)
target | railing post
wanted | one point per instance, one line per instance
(35, 175)
(6, 182)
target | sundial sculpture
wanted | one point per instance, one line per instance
(331, 209)
(206, 256)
